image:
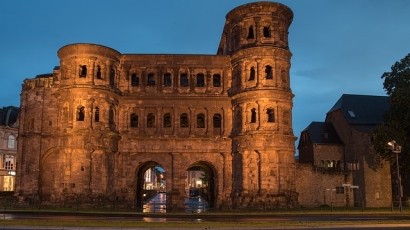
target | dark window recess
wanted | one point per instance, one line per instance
(167, 120)
(271, 115)
(266, 32)
(217, 80)
(80, 114)
(253, 115)
(250, 33)
(151, 79)
(97, 114)
(268, 72)
(200, 121)
(184, 80)
(135, 80)
(112, 77)
(252, 74)
(217, 121)
(200, 81)
(150, 120)
(98, 74)
(183, 120)
(167, 80)
(134, 120)
(340, 190)
(83, 71)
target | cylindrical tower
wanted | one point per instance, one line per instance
(256, 38)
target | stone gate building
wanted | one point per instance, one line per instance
(92, 127)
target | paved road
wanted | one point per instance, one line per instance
(158, 204)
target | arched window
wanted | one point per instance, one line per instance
(97, 114)
(322, 164)
(83, 71)
(112, 77)
(200, 121)
(328, 164)
(216, 80)
(183, 81)
(268, 72)
(253, 115)
(271, 115)
(217, 120)
(167, 120)
(252, 74)
(11, 142)
(151, 79)
(135, 80)
(183, 120)
(200, 81)
(167, 80)
(266, 32)
(98, 73)
(134, 120)
(150, 120)
(250, 33)
(80, 113)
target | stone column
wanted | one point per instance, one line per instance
(259, 72)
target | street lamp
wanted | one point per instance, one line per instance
(395, 148)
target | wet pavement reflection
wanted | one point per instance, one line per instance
(157, 204)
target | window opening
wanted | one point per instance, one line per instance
(151, 79)
(184, 80)
(266, 32)
(268, 72)
(167, 80)
(150, 120)
(112, 77)
(200, 121)
(80, 113)
(134, 120)
(217, 80)
(83, 71)
(253, 115)
(217, 121)
(252, 74)
(183, 120)
(250, 32)
(8, 162)
(135, 80)
(98, 75)
(340, 190)
(271, 115)
(167, 120)
(97, 114)
(200, 81)
(11, 142)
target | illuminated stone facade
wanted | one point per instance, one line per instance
(101, 119)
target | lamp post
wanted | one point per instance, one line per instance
(395, 148)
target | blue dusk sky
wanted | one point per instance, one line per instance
(338, 47)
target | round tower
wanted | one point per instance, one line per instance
(256, 38)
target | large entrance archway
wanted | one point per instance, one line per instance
(200, 187)
(150, 183)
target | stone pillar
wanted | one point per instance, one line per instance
(259, 72)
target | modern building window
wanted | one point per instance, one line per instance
(8, 162)
(167, 120)
(217, 120)
(252, 74)
(200, 121)
(183, 80)
(11, 142)
(250, 33)
(80, 113)
(271, 115)
(135, 80)
(266, 32)
(253, 115)
(183, 120)
(268, 72)
(340, 190)
(98, 73)
(83, 71)
(150, 120)
(200, 81)
(151, 79)
(216, 80)
(97, 114)
(134, 120)
(167, 80)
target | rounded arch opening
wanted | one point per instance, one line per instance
(200, 187)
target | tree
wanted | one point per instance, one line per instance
(397, 86)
